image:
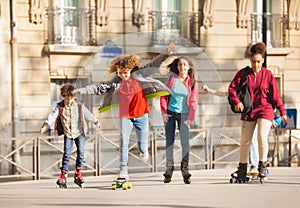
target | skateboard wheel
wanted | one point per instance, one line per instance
(124, 186)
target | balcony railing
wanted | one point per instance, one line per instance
(277, 30)
(181, 28)
(70, 26)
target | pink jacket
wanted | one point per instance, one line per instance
(192, 98)
(263, 90)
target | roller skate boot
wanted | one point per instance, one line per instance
(124, 174)
(240, 176)
(262, 171)
(62, 181)
(168, 174)
(185, 172)
(144, 156)
(78, 178)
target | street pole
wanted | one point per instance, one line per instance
(15, 85)
(264, 29)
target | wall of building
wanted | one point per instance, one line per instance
(33, 67)
(5, 70)
(224, 53)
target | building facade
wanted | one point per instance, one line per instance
(46, 43)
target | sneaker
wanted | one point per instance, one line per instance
(124, 174)
(253, 169)
(144, 156)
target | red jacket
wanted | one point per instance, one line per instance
(263, 90)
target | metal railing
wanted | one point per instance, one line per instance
(70, 26)
(182, 28)
(277, 30)
(40, 157)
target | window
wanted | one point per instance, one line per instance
(170, 23)
(71, 22)
(277, 24)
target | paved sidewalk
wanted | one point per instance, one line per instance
(209, 189)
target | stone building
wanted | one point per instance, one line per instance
(45, 43)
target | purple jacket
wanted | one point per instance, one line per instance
(263, 90)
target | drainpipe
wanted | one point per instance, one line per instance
(124, 27)
(14, 83)
(264, 29)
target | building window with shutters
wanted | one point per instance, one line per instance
(277, 23)
(70, 22)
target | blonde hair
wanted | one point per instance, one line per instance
(125, 63)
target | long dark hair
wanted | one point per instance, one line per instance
(191, 72)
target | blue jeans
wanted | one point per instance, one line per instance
(68, 144)
(141, 128)
(184, 132)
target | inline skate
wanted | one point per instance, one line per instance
(262, 171)
(240, 176)
(168, 174)
(185, 172)
(62, 181)
(78, 178)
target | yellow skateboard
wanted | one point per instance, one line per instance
(254, 176)
(121, 183)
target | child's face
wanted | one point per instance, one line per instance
(183, 67)
(68, 99)
(124, 75)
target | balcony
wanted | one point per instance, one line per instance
(277, 30)
(181, 28)
(70, 26)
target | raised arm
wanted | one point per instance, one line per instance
(100, 88)
(205, 88)
(153, 66)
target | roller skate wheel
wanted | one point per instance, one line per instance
(124, 186)
(129, 186)
(114, 186)
(61, 186)
(233, 180)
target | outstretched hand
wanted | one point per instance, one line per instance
(98, 125)
(43, 128)
(76, 91)
(170, 48)
(204, 88)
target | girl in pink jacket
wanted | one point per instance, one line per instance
(179, 107)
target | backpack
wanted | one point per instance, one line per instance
(244, 96)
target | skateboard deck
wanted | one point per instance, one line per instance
(253, 175)
(121, 183)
